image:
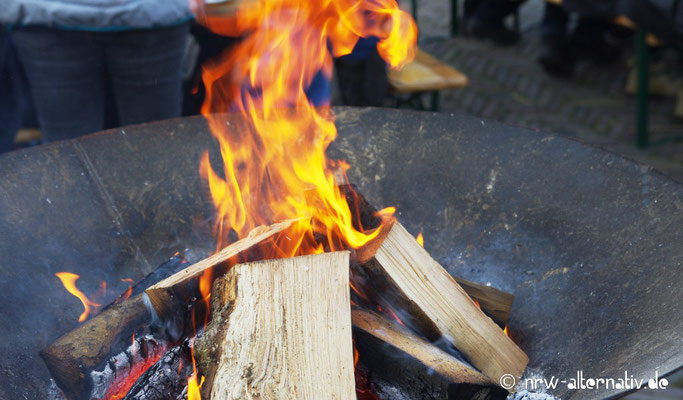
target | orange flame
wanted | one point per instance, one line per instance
(274, 162)
(476, 303)
(69, 281)
(126, 295)
(420, 239)
(194, 384)
(505, 330)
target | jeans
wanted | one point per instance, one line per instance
(71, 72)
(15, 101)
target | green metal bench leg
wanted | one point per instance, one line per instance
(642, 101)
(455, 20)
(435, 100)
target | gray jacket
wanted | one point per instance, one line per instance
(96, 15)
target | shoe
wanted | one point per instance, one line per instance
(498, 33)
(554, 57)
(597, 50)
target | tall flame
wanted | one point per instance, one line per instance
(274, 165)
(274, 162)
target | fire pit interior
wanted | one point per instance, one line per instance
(588, 243)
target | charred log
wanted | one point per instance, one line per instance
(166, 379)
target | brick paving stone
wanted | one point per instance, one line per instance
(508, 85)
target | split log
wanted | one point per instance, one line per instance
(280, 329)
(433, 357)
(493, 302)
(71, 357)
(398, 267)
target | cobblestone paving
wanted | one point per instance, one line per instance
(507, 84)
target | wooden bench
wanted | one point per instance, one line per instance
(424, 75)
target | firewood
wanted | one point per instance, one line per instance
(166, 379)
(280, 329)
(433, 357)
(72, 356)
(493, 302)
(256, 236)
(397, 265)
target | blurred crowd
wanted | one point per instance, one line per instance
(69, 67)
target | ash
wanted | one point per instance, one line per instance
(54, 393)
(385, 391)
(522, 393)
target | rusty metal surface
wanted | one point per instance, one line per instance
(590, 244)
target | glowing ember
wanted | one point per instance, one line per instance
(69, 281)
(420, 239)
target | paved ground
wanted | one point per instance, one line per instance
(507, 84)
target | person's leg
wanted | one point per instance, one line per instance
(555, 20)
(376, 80)
(64, 72)
(145, 68)
(589, 42)
(10, 119)
(487, 21)
(553, 54)
(469, 8)
(350, 74)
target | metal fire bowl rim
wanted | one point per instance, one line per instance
(587, 241)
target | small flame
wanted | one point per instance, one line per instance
(505, 330)
(126, 295)
(194, 384)
(69, 281)
(476, 303)
(420, 239)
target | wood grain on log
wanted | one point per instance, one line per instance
(493, 302)
(435, 297)
(72, 356)
(433, 357)
(283, 331)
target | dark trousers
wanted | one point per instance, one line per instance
(556, 20)
(71, 72)
(362, 82)
(491, 11)
(15, 100)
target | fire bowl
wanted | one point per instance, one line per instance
(589, 243)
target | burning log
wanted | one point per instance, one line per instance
(166, 379)
(71, 357)
(402, 271)
(280, 329)
(430, 355)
